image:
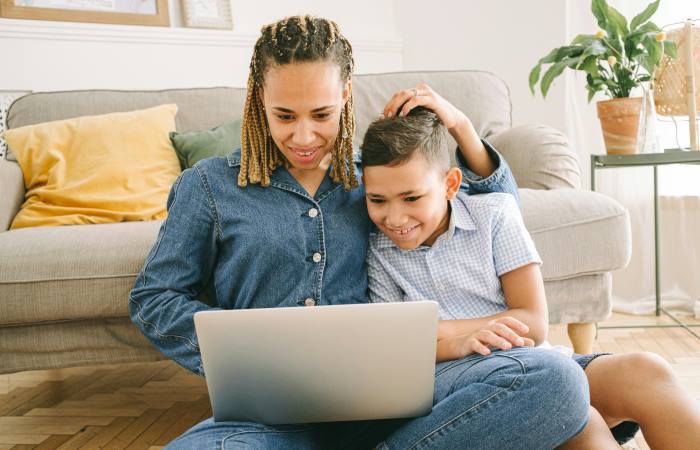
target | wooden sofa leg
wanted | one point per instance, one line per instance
(582, 336)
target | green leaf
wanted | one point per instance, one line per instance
(590, 65)
(554, 71)
(591, 93)
(584, 39)
(652, 56)
(599, 8)
(534, 76)
(644, 15)
(549, 57)
(633, 39)
(595, 48)
(646, 62)
(618, 21)
(567, 51)
(670, 49)
(653, 49)
(561, 52)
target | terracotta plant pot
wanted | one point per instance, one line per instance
(619, 119)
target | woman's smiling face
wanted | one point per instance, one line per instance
(303, 102)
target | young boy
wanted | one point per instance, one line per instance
(473, 255)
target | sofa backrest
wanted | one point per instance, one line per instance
(481, 95)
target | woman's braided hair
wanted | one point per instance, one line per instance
(292, 40)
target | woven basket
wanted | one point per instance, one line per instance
(670, 78)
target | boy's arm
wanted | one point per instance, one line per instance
(471, 148)
(482, 167)
(524, 292)
(517, 264)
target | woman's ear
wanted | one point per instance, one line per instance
(452, 181)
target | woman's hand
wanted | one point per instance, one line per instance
(422, 95)
(503, 333)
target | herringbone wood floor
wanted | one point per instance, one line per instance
(142, 406)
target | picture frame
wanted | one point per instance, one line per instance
(122, 12)
(207, 14)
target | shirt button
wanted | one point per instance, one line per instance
(316, 257)
(309, 302)
(313, 212)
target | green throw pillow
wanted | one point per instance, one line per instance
(195, 145)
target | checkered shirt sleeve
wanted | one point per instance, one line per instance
(513, 246)
(382, 287)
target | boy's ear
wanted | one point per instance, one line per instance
(452, 181)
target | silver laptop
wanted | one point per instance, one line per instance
(321, 363)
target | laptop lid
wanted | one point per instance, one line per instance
(320, 364)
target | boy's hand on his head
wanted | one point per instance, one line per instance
(422, 95)
(457, 123)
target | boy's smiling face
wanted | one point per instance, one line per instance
(408, 202)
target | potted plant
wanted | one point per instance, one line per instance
(617, 59)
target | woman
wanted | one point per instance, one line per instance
(294, 187)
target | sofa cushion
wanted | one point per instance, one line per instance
(96, 169)
(198, 109)
(192, 146)
(577, 232)
(540, 157)
(482, 96)
(70, 272)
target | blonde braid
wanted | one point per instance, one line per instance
(343, 163)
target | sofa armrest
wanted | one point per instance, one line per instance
(11, 192)
(539, 156)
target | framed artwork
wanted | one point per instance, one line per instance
(126, 12)
(207, 13)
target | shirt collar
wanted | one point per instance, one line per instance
(460, 216)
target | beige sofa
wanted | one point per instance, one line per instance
(64, 290)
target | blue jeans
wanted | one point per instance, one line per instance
(525, 398)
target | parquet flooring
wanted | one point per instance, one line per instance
(145, 406)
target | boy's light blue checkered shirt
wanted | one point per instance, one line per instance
(485, 239)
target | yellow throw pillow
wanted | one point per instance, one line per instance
(96, 169)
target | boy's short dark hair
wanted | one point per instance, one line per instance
(394, 140)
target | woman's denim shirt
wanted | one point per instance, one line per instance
(227, 247)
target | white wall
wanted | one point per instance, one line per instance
(505, 37)
(633, 187)
(43, 55)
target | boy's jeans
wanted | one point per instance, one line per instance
(522, 398)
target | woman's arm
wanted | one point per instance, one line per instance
(163, 300)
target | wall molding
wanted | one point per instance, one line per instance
(127, 34)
